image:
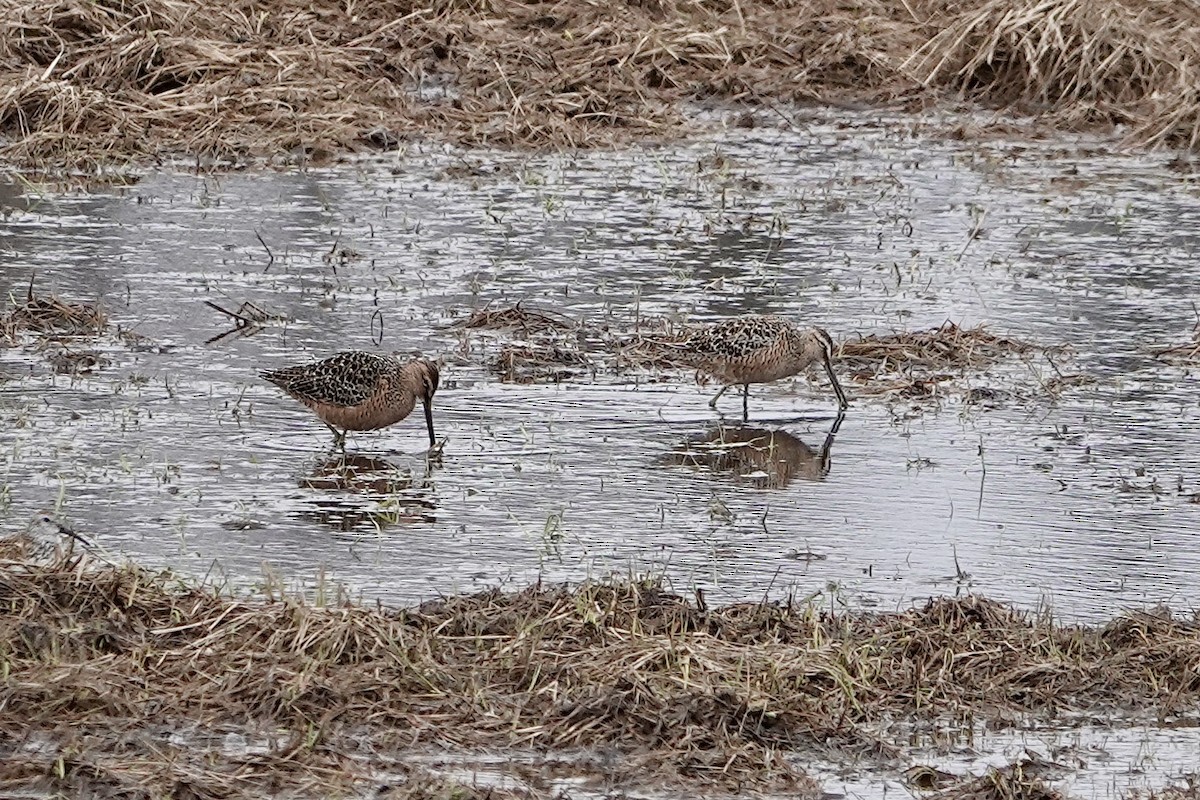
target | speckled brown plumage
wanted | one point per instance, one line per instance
(359, 391)
(757, 349)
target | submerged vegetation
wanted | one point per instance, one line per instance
(223, 694)
(86, 83)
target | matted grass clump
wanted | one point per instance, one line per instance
(50, 315)
(90, 81)
(217, 691)
(921, 364)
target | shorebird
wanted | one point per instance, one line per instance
(359, 391)
(44, 538)
(756, 349)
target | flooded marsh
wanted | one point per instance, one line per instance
(1013, 322)
(1062, 473)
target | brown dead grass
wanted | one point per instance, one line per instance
(63, 332)
(919, 365)
(97, 660)
(1021, 780)
(1079, 62)
(51, 316)
(90, 82)
(517, 318)
(948, 347)
(549, 349)
(539, 363)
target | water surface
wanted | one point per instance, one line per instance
(176, 454)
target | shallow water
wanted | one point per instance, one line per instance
(175, 453)
(1083, 760)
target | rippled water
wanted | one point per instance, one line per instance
(176, 453)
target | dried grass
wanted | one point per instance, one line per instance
(1187, 354)
(1082, 63)
(516, 317)
(550, 348)
(97, 659)
(1021, 780)
(52, 316)
(919, 364)
(946, 348)
(91, 82)
(532, 363)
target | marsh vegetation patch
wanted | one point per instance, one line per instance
(106, 82)
(687, 692)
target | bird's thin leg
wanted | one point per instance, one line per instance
(713, 403)
(745, 402)
(339, 437)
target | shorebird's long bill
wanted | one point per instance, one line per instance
(429, 419)
(68, 532)
(837, 387)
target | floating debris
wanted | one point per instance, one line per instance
(517, 317)
(1187, 354)
(76, 362)
(52, 315)
(1023, 778)
(924, 365)
(948, 347)
(531, 363)
(249, 319)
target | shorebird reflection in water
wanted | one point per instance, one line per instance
(364, 494)
(360, 391)
(757, 349)
(771, 459)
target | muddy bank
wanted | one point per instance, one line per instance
(86, 83)
(225, 693)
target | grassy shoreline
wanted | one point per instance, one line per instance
(97, 659)
(87, 84)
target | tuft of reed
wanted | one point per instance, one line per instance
(1186, 354)
(1078, 63)
(916, 365)
(948, 347)
(1020, 779)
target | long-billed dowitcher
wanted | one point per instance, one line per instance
(358, 391)
(757, 349)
